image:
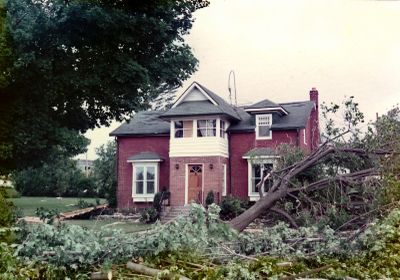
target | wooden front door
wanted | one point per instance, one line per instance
(195, 183)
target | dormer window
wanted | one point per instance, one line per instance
(206, 128)
(263, 126)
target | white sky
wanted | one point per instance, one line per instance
(280, 49)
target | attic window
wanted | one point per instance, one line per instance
(263, 126)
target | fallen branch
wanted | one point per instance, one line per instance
(286, 215)
(152, 271)
(306, 273)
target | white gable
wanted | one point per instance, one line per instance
(195, 95)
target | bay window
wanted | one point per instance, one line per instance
(222, 132)
(206, 128)
(257, 172)
(145, 178)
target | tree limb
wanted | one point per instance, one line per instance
(286, 215)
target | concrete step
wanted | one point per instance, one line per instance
(171, 213)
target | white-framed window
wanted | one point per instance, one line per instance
(224, 179)
(206, 128)
(256, 172)
(263, 126)
(183, 129)
(145, 180)
(305, 136)
(222, 129)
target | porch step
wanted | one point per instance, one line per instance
(173, 212)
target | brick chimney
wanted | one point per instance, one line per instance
(314, 120)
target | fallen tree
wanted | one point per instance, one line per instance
(283, 185)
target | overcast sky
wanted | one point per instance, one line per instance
(280, 49)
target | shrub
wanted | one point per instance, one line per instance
(7, 217)
(231, 207)
(84, 204)
(159, 198)
(10, 192)
(210, 198)
(149, 215)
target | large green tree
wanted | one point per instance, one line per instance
(79, 64)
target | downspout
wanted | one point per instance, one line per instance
(229, 161)
(117, 167)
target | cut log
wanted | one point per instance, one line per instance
(100, 275)
(139, 268)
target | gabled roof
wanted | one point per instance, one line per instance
(266, 105)
(215, 105)
(153, 123)
(143, 123)
(299, 113)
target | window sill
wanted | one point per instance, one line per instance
(148, 198)
(254, 197)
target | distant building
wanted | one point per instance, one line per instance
(85, 166)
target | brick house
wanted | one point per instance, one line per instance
(202, 143)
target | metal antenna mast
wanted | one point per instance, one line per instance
(232, 73)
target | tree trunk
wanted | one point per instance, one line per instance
(281, 188)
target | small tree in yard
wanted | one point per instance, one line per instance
(347, 163)
(104, 172)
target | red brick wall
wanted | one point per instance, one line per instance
(240, 144)
(129, 146)
(212, 178)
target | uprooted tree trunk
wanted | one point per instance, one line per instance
(280, 188)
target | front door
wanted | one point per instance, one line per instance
(195, 183)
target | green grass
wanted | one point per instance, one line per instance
(28, 205)
(126, 226)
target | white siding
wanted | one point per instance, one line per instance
(204, 146)
(194, 95)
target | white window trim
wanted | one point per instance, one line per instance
(254, 196)
(224, 177)
(258, 137)
(194, 135)
(189, 90)
(144, 197)
(304, 136)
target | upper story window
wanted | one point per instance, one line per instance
(206, 128)
(222, 132)
(183, 129)
(263, 126)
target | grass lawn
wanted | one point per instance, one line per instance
(126, 226)
(29, 204)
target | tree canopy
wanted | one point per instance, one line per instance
(70, 66)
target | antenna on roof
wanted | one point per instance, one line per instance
(232, 73)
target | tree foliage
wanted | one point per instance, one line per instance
(79, 64)
(105, 172)
(59, 177)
